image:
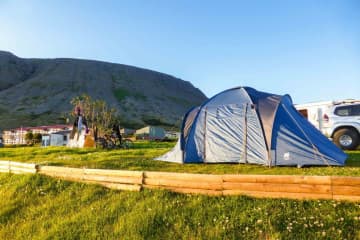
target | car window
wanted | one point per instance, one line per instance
(353, 110)
(343, 111)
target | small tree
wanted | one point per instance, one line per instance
(98, 114)
(29, 136)
(37, 138)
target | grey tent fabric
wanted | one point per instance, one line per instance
(232, 133)
(228, 132)
(267, 109)
(174, 155)
(190, 117)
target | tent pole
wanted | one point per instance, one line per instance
(182, 156)
(205, 119)
(269, 157)
(245, 134)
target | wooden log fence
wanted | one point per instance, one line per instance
(262, 186)
(17, 168)
(115, 179)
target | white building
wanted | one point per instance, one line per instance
(150, 133)
(60, 138)
(17, 135)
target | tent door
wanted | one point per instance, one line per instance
(233, 134)
(225, 133)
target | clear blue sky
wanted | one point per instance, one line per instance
(308, 49)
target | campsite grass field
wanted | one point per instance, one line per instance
(40, 207)
(141, 158)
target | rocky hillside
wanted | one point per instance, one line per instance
(38, 91)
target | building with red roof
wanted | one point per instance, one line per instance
(17, 135)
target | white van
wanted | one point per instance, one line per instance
(338, 120)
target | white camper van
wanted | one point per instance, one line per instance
(338, 120)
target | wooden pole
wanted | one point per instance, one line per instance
(279, 187)
(347, 181)
(108, 172)
(192, 177)
(260, 194)
(183, 184)
(277, 179)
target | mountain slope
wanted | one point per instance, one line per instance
(38, 91)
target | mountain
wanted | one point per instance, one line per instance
(38, 91)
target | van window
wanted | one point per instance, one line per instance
(352, 110)
(356, 110)
(303, 112)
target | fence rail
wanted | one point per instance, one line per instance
(264, 186)
(116, 179)
(17, 168)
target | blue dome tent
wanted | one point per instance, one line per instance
(243, 125)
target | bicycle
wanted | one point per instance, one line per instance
(112, 142)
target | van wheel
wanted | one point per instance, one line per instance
(347, 139)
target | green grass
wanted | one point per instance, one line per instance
(180, 101)
(140, 158)
(38, 207)
(18, 118)
(121, 94)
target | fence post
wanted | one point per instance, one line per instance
(142, 180)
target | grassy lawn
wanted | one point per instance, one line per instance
(38, 207)
(140, 158)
